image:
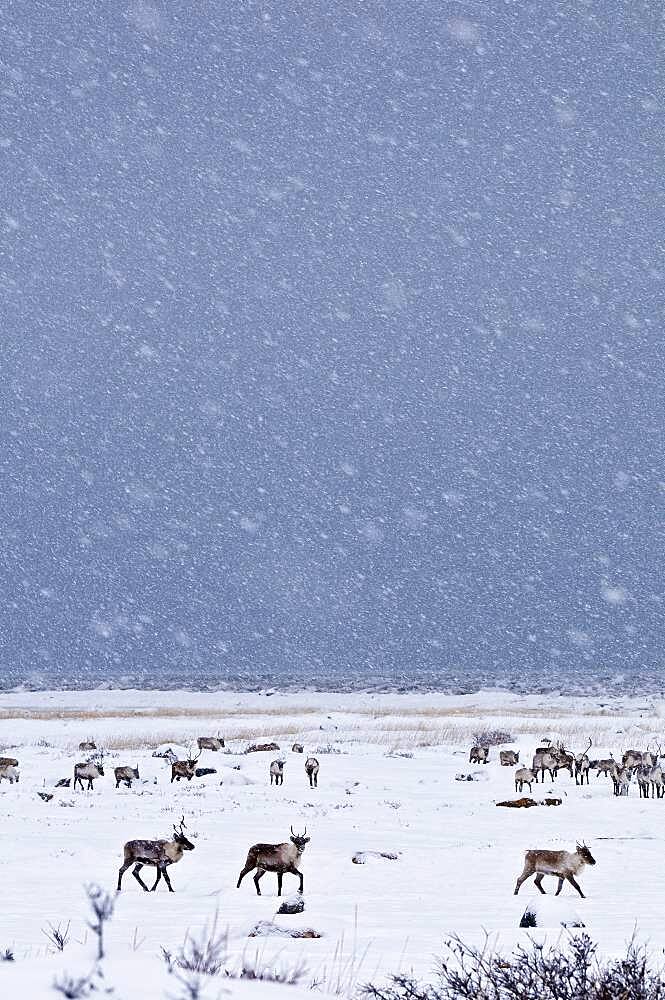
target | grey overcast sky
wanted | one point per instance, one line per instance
(332, 342)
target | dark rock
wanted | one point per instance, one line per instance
(294, 904)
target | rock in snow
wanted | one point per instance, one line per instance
(293, 904)
(551, 911)
(361, 857)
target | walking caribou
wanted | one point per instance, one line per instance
(158, 853)
(279, 858)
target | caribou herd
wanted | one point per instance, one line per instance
(160, 854)
(645, 767)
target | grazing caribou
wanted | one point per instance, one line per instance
(312, 771)
(632, 758)
(564, 865)
(210, 743)
(545, 760)
(88, 770)
(479, 755)
(279, 858)
(277, 772)
(604, 767)
(158, 853)
(126, 775)
(509, 758)
(87, 746)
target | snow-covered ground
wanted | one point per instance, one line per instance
(387, 784)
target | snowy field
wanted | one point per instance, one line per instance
(387, 783)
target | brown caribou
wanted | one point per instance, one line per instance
(184, 768)
(279, 858)
(126, 775)
(312, 771)
(564, 865)
(158, 853)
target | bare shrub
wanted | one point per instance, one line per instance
(492, 738)
(73, 987)
(57, 936)
(102, 904)
(271, 974)
(205, 955)
(568, 971)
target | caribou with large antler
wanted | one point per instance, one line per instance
(279, 858)
(184, 768)
(158, 853)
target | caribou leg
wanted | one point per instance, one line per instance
(244, 872)
(135, 873)
(167, 879)
(260, 872)
(571, 879)
(294, 871)
(280, 876)
(121, 872)
(522, 878)
(539, 882)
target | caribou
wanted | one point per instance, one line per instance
(565, 760)
(126, 775)
(158, 853)
(509, 758)
(279, 858)
(210, 743)
(87, 746)
(632, 758)
(564, 865)
(9, 772)
(184, 768)
(88, 770)
(582, 765)
(312, 771)
(604, 767)
(621, 778)
(545, 760)
(479, 755)
(277, 772)
(524, 776)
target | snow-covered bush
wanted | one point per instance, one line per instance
(492, 738)
(568, 971)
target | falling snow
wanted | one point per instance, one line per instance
(332, 345)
